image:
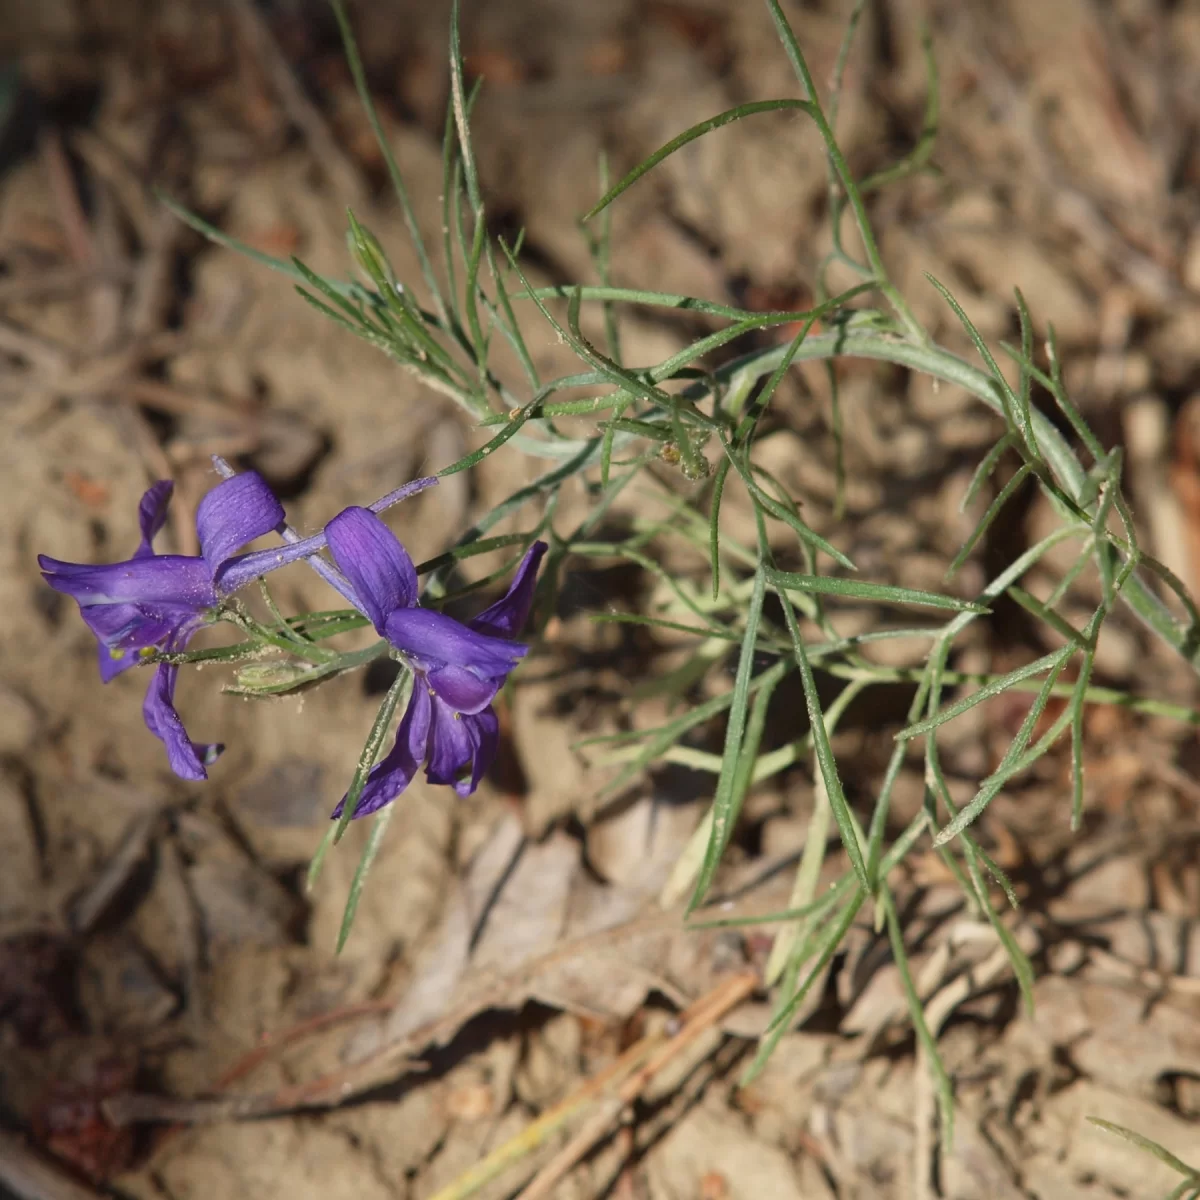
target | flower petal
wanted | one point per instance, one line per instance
(461, 748)
(114, 662)
(450, 746)
(433, 639)
(393, 773)
(487, 732)
(132, 626)
(187, 758)
(239, 571)
(152, 514)
(506, 618)
(461, 689)
(235, 512)
(124, 629)
(375, 562)
(159, 579)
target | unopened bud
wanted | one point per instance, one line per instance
(272, 678)
(369, 255)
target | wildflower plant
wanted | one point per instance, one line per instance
(747, 614)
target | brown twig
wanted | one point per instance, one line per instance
(184, 923)
(151, 293)
(85, 375)
(937, 1012)
(56, 281)
(300, 110)
(696, 1021)
(385, 1062)
(127, 1108)
(40, 352)
(122, 177)
(169, 399)
(537, 1132)
(273, 1043)
(491, 990)
(66, 200)
(111, 318)
(90, 904)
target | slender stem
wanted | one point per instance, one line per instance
(842, 170)
(941, 364)
(236, 615)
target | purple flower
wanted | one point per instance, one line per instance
(449, 724)
(158, 601)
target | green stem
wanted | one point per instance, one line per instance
(261, 633)
(941, 364)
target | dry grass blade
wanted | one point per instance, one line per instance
(937, 1012)
(613, 1090)
(90, 905)
(300, 109)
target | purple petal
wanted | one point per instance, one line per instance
(152, 514)
(187, 758)
(461, 689)
(237, 572)
(161, 579)
(486, 728)
(433, 640)
(506, 618)
(378, 566)
(394, 772)
(461, 748)
(450, 746)
(114, 662)
(124, 629)
(403, 492)
(133, 626)
(235, 512)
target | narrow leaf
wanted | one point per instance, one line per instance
(375, 739)
(824, 753)
(690, 135)
(726, 801)
(1000, 684)
(370, 850)
(854, 589)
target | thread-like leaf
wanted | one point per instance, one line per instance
(682, 139)
(374, 743)
(824, 753)
(370, 850)
(1144, 1143)
(916, 1011)
(997, 685)
(354, 61)
(855, 589)
(985, 522)
(726, 802)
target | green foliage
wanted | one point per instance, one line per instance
(681, 411)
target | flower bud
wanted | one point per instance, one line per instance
(273, 678)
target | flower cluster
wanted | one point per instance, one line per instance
(152, 604)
